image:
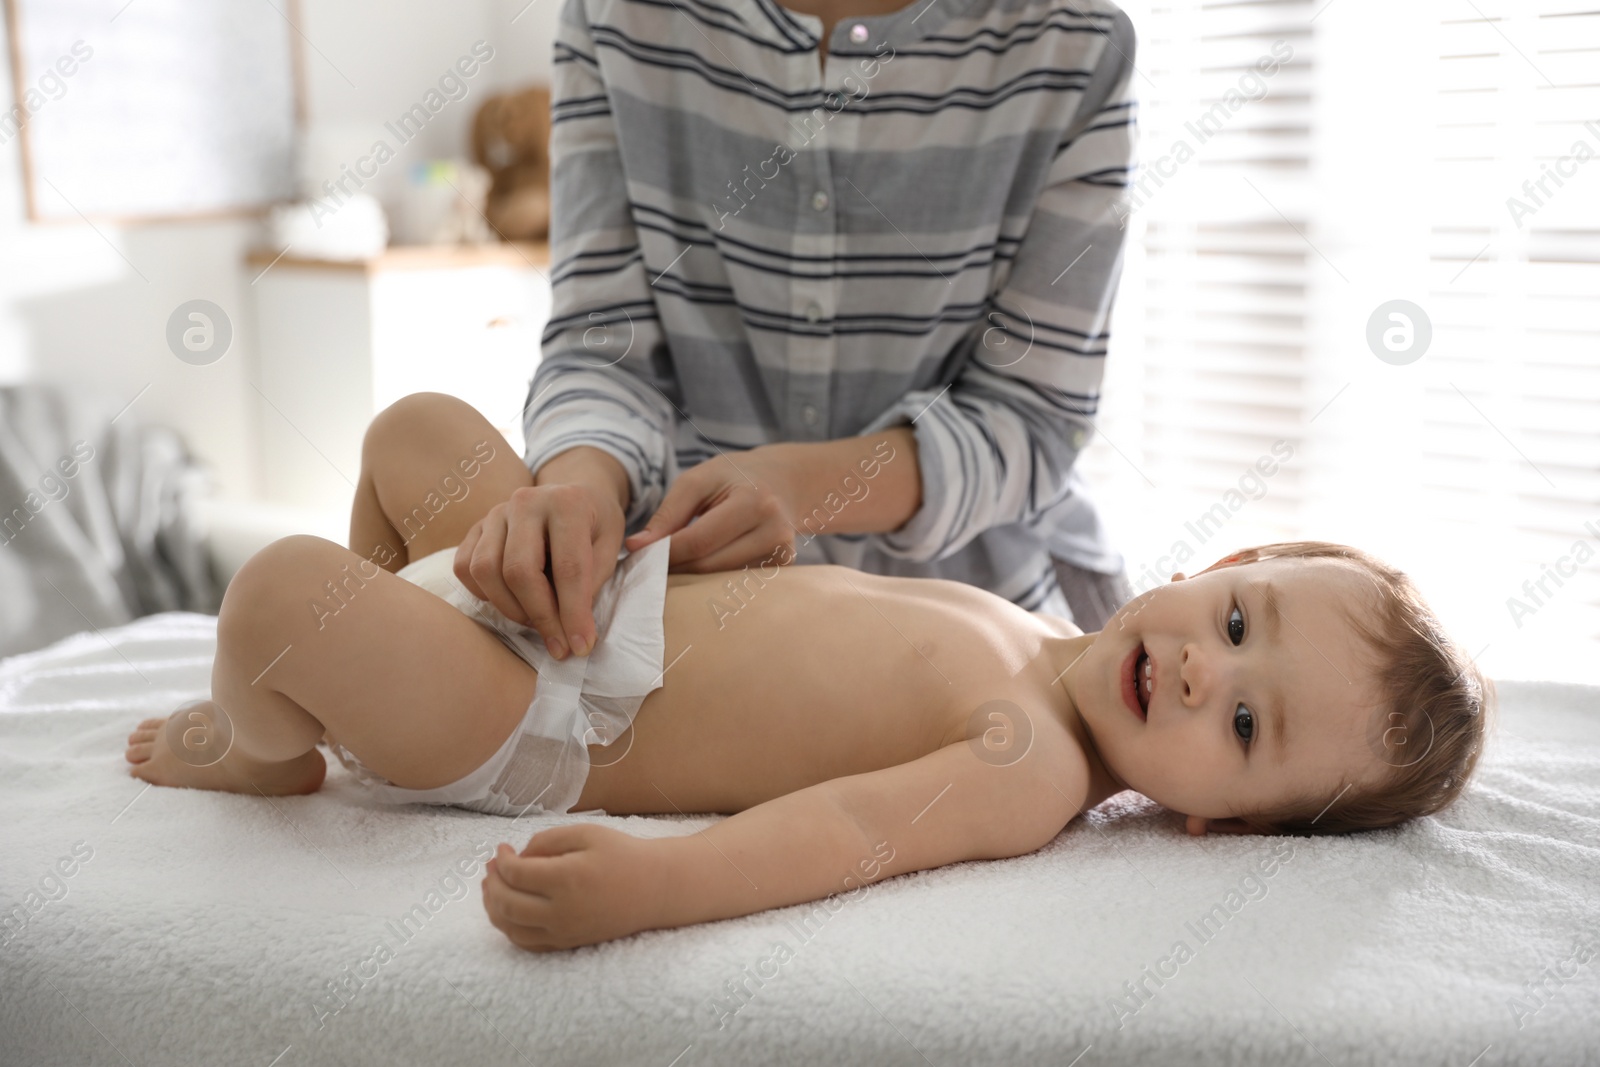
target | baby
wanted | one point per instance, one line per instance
(859, 726)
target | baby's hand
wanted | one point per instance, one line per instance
(572, 885)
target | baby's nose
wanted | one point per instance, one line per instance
(1196, 676)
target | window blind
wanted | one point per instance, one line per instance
(1515, 264)
(1358, 160)
(1206, 385)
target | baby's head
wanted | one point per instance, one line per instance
(1302, 687)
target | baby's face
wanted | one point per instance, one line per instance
(1246, 714)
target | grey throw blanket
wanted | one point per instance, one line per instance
(99, 519)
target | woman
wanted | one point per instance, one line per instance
(787, 241)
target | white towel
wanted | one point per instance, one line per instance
(206, 928)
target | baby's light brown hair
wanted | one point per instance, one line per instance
(1434, 697)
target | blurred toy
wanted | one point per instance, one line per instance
(511, 140)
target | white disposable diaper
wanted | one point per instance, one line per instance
(579, 701)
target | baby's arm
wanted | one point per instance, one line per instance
(576, 885)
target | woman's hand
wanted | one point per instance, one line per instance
(577, 528)
(745, 503)
(573, 885)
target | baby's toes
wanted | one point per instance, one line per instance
(142, 742)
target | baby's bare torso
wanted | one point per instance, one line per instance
(818, 672)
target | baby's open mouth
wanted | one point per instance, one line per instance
(1143, 681)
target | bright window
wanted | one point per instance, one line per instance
(1304, 166)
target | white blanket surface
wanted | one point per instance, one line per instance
(206, 928)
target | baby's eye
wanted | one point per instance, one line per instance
(1236, 613)
(1244, 724)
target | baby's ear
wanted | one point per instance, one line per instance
(1200, 827)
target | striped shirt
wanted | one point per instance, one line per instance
(750, 247)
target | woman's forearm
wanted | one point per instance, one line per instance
(868, 484)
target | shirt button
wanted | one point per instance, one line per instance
(859, 33)
(1077, 438)
(809, 413)
(814, 312)
(819, 201)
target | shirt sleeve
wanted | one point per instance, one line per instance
(997, 444)
(605, 377)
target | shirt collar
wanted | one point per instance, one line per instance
(918, 19)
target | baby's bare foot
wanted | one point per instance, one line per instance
(192, 749)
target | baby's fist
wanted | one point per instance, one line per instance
(571, 885)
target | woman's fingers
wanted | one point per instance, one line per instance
(765, 542)
(463, 561)
(719, 526)
(572, 565)
(527, 542)
(683, 499)
(503, 560)
(488, 564)
(718, 504)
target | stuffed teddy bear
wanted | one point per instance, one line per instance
(511, 140)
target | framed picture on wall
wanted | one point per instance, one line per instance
(143, 110)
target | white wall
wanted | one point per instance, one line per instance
(81, 306)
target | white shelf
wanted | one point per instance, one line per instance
(340, 341)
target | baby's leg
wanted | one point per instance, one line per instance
(413, 498)
(419, 692)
